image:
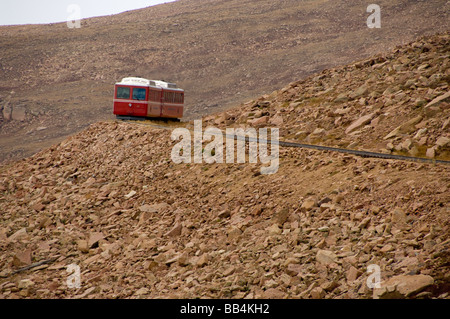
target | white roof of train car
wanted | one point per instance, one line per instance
(145, 82)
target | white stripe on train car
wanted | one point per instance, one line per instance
(147, 102)
(131, 101)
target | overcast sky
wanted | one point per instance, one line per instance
(49, 11)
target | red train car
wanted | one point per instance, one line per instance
(138, 97)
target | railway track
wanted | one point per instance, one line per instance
(159, 124)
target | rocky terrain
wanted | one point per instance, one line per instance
(395, 102)
(55, 81)
(110, 200)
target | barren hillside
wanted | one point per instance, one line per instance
(55, 81)
(395, 102)
(110, 199)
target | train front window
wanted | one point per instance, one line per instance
(123, 92)
(139, 94)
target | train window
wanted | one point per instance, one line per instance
(139, 94)
(168, 97)
(123, 92)
(154, 95)
(178, 97)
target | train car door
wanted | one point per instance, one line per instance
(139, 101)
(154, 102)
(121, 100)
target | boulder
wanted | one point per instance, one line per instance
(360, 122)
(326, 257)
(405, 127)
(402, 286)
(309, 204)
(259, 121)
(438, 99)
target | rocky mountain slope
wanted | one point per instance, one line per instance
(110, 199)
(56, 81)
(395, 102)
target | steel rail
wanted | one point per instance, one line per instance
(311, 146)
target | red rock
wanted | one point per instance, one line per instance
(317, 293)
(22, 258)
(402, 286)
(439, 99)
(38, 207)
(294, 269)
(94, 238)
(273, 293)
(360, 122)
(352, 274)
(260, 121)
(203, 260)
(431, 153)
(326, 257)
(175, 231)
(83, 246)
(18, 234)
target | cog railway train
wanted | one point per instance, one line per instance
(142, 98)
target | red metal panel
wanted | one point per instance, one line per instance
(171, 109)
(130, 106)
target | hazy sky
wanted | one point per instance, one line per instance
(48, 11)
